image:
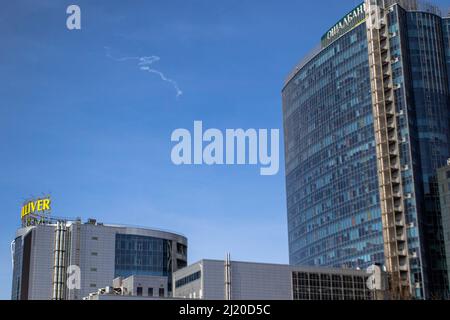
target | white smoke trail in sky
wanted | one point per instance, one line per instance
(144, 64)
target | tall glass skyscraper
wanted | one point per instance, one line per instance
(367, 124)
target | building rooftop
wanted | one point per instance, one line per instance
(409, 5)
(279, 265)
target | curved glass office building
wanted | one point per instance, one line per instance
(367, 125)
(68, 260)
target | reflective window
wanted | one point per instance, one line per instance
(140, 255)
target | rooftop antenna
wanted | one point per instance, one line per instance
(228, 276)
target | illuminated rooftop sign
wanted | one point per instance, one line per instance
(353, 19)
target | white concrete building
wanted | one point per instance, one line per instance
(207, 279)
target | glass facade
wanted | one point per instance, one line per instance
(428, 85)
(409, 147)
(334, 216)
(316, 286)
(446, 30)
(140, 255)
(189, 279)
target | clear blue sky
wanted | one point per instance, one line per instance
(95, 132)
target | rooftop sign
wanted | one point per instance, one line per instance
(35, 210)
(353, 19)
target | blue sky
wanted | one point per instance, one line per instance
(95, 132)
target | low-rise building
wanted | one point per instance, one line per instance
(443, 175)
(133, 288)
(223, 280)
